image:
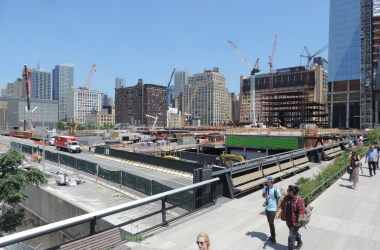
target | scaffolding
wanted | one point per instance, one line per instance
(293, 108)
(296, 97)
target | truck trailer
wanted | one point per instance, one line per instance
(67, 143)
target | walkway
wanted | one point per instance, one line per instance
(343, 218)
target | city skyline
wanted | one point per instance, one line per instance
(133, 41)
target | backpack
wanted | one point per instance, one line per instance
(275, 193)
(307, 216)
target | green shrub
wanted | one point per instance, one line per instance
(310, 188)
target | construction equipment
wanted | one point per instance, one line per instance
(309, 56)
(186, 112)
(161, 103)
(231, 122)
(270, 62)
(5, 106)
(80, 118)
(229, 159)
(253, 70)
(155, 121)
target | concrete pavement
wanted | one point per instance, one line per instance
(343, 218)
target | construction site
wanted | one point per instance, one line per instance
(287, 98)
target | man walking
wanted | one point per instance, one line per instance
(371, 157)
(272, 199)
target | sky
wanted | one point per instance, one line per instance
(148, 38)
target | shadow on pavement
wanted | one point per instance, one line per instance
(267, 243)
(260, 235)
(346, 186)
(364, 175)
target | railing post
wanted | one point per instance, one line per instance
(163, 211)
(92, 226)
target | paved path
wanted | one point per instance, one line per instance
(343, 218)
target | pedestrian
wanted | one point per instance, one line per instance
(355, 164)
(350, 144)
(371, 157)
(378, 154)
(272, 198)
(359, 143)
(203, 241)
(292, 209)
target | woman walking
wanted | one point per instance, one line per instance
(355, 164)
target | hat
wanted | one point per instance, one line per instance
(270, 179)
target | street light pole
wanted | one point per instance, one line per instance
(43, 142)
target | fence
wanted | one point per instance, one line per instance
(133, 218)
(135, 182)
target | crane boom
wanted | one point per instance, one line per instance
(309, 56)
(240, 55)
(270, 62)
(81, 111)
(253, 70)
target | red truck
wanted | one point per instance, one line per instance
(69, 143)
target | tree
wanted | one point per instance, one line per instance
(61, 126)
(13, 181)
(373, 136)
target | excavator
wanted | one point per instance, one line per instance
(229, 159)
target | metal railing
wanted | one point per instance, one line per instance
(160, 207)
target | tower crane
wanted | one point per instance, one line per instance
(161, 103)
(186, 111)
(255, 69)
(5, 106)
(270, 62)
(309, 56)
(81, 110)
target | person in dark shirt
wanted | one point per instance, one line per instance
(292, 209)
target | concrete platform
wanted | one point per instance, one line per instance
(343, 218)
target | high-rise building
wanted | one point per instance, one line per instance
(63, 81)
(13, 89)
(119, 82)
(41, 84)
(376, 64)
(344, 97)
(137, 105)
(170, 96)
(180, 79)
(81, 102)
(206, 97)
(105, 100)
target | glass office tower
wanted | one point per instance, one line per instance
(344, 64)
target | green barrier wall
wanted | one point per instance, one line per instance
(185, 199)
(273, 142)
(114, 176)
(137, 183)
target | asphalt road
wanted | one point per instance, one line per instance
(173, 181)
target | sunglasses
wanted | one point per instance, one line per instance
(200, 242)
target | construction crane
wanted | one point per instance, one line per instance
(161, 103)
(81, 110)
(28, 111)
(5, 106)
(270, 62)
(228, 115)
(309, 56)
(255, 69)
(189, 103)
(155, 120)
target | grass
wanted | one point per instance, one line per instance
(310, 188)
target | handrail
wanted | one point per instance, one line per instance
(42, 230)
